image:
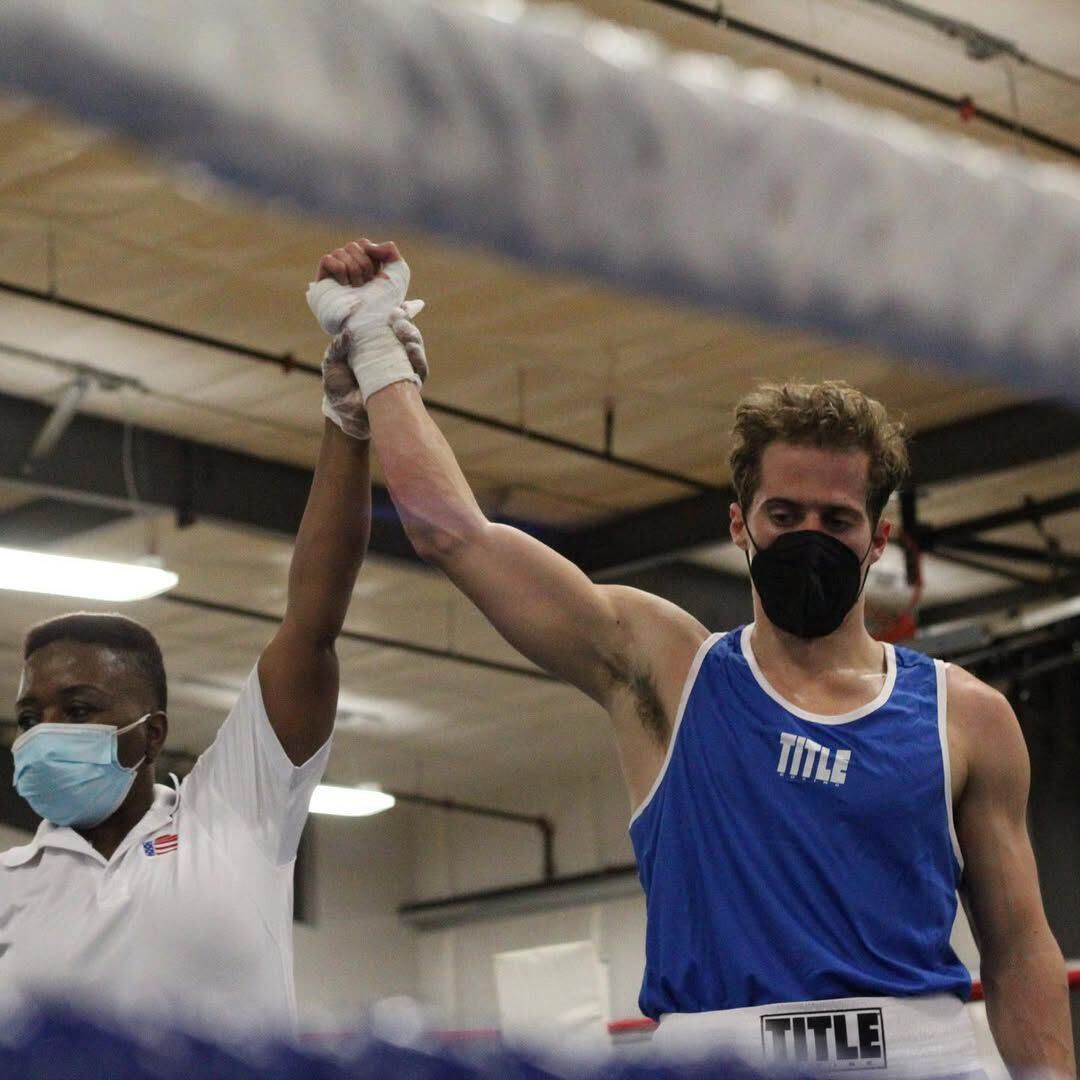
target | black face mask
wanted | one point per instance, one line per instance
(807, 580)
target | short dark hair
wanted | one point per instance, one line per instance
(113, 631)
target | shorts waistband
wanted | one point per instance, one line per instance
(882, 1037)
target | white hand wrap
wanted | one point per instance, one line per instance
(367, 312)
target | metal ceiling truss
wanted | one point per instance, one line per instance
(962, 543)
(200, 480)
(288, 363)
(1011, 599)
(1022, 658)
(193, 479)
(1052, 556)
(42, 522)
(1006, 438)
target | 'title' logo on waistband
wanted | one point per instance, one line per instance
(849, 1039)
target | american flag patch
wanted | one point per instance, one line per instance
(160, 845)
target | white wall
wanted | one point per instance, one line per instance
(458, 853)
(356, 949)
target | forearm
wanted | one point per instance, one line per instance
(1027, 1004)
(433, 499)
(332, 538)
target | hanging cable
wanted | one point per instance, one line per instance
(815, 40)
(1014, 101)
(127, 455)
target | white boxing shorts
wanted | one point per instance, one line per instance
(875, 1038)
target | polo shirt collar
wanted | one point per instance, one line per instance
(66, 838)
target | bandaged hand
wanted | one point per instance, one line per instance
(361, 290)
(342, 400)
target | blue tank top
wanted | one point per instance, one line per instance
(787, 856)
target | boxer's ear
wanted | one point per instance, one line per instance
(737, 527)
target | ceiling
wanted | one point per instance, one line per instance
(192, 299)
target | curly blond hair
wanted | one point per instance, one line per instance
(832, 415)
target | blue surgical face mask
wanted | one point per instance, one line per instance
(70, 773)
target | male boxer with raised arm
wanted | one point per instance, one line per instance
(807, 800)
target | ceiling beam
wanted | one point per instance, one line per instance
(288, 363)
(653, 534)
(1047, 556)
(1003, 439)
(1004, 599)
(193, 479)
(41, 522)
(1032, 512)
(715, 14)
(200, 480)
(984, 567)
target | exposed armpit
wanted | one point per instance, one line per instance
(650, 711)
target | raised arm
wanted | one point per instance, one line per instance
(298, 670)
(1022, 970)
(626, 649)
(540, 602)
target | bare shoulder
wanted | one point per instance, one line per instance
(984, 735)
(977, 707)
(970, 697)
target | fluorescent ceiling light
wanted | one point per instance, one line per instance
(349, 801)
(90, 579)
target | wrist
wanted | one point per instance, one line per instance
(394, 392)
(352, 425)
(333, 432)
(378, 359)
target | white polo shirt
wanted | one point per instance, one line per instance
(191, 918)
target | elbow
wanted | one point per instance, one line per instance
(441, 545)
(440, 524)
(1035, 956)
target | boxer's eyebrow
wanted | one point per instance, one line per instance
(780, 502)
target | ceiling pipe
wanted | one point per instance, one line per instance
(288, 363)
(547, 830)
(57, 423)
(368, 639)
(954, 104)
(611, 883)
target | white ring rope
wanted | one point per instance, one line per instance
(574, 143)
